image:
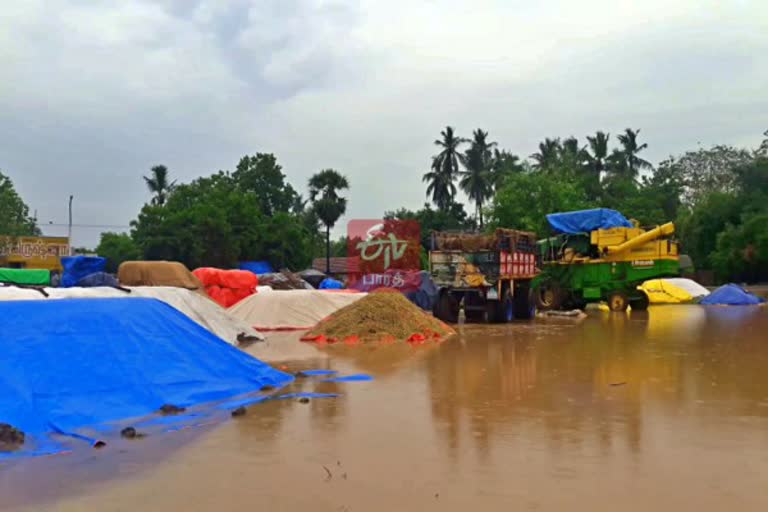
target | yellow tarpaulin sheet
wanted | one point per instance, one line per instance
(661, 291)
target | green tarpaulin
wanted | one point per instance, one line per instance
(35, 277)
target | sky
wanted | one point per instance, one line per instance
(94, 93)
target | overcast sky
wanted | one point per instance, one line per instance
(93, 93)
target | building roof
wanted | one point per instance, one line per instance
(338, 265)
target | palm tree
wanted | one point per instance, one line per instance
(503, 164)
(596, 160)
(324, 188)
(476, 180)
(440, 186)
(571, 155)
(445, 169)
(599, 152)
(158, 184)
(548, 155)
(629, 150)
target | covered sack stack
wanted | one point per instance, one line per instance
(227, 287)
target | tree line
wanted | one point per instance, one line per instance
(718, 198)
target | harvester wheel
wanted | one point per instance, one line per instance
(447, 308)
(548, 296)
(617, 301)
(640, 303)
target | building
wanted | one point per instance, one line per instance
(43, 252)
(341, 268)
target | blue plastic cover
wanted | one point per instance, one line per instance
(731, 295)
(257, 267)
(98, 279)
(77, 267)
(426, 296)
(74, 363)
(584, 221)
(331, 284)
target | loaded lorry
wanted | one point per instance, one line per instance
(488, 275)
(599, 255)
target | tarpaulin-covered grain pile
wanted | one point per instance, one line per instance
(382, 316)
(157, 273)
(197, 307)
(71, 367)
(290, 309)
(227, 287)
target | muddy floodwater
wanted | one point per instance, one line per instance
(660, 410)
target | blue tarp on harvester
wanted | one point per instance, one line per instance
(584, 221)
(74, 363)
(731, 295)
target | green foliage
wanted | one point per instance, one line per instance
(213, 222)
(705, 171)
(262, 175)
(14, 213)
(525, 199)
(117, 248)
(742, 250)
(452, 218)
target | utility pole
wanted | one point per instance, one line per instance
(69, 226)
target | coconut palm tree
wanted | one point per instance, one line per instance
(548, 155)
(439, 186)
(445, 169)
(324, 188)
(596, 158)
(476, 180)
(598, 152)
(629, 149)
(158, 184)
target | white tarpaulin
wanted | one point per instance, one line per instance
(197, 307)
(290, 309)
(690, 286)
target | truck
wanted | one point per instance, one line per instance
(488, 275)
(580, 265)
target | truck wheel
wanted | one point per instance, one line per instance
(617, 301)
(499, 311)
(447, 308)
(548, 296)
(640, 303)
(524, 303)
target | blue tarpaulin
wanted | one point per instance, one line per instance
(731, 295)
(98, 279)
(427, 293)
(75, 363)
(78, 267)
(584, 221)
(331, 284)
(257, 267)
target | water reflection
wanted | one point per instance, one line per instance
(600, 381)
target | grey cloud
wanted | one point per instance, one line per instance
(93, 94)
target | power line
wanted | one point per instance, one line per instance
(116, 226)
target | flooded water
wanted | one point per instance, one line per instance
(664, 410)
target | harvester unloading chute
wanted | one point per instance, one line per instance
(653, 234)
